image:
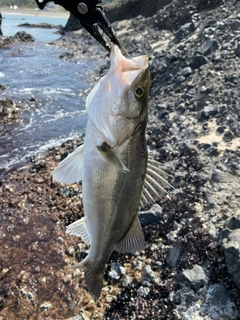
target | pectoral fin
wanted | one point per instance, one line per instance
(134, 239)
(110, 157)
(70, 169)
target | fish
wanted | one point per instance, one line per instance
(118, 177)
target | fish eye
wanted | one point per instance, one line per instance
(139, 91)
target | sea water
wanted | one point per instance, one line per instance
(11, 25)
(35, 71)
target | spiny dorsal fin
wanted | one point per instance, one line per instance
(134, 239)
(154, 185)
(79, 228)
(70, 169)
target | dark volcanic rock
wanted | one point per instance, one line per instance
(40, 25)
(19, 38)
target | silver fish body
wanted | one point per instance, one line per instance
(113, 166)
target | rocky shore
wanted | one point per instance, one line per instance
(190, 268)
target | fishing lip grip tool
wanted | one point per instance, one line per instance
(91, 16)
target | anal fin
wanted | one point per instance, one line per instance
(133, 240)
(79, 228)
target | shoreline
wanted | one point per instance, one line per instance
(54, 13)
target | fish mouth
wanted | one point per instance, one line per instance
(127, 69)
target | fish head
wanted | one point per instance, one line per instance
(118, 104)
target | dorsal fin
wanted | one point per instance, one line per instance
(70, 169)
(79, 228)
(154, 185)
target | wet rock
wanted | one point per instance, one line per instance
(18, 38)
(113, 275)
(174, 256)
(45, 306)
(23, 36)
(117, 270)
(40, 25)
(218, 304)
(150, 216)
(195, 278)
(147, 274)
(143, 291)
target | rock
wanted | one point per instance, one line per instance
(147, 274)
(194, 278)
(116, 271)
(23, 36)
(45, 306)
(231, 249)
(150, 216)
(210, 23)
(209, 111)
(217, 176)
(113, 275)
(198, 61)
(208, 47)
(228, 136)
(126, 281)
(186, 71)
(218, 304)
(234, 222)
(237, 51)
(174, 256)
(184, 31)
(143, 291)
(40, 25)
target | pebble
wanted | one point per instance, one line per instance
(150, 216)
(198, 61)
(195, 278)
(143, 291)
(174, 256)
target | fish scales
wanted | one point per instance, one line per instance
(112, 165)
(116, 193)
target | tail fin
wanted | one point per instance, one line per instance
(93, 278)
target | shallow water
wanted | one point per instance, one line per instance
(36, 71)
(11, 22)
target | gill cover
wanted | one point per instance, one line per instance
(112, 106)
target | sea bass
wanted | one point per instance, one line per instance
(117, 176)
